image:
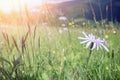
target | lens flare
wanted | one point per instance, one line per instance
(10, 5)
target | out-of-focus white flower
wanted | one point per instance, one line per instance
(62, 18)
(91, 39)
(65, 29)
(2, 43)
(97, 23)
(63, 25)
(60, 31)
(83, 24)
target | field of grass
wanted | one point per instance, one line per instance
(42, 52)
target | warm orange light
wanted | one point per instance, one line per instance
(9, 5)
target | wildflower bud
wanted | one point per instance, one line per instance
(113, 54)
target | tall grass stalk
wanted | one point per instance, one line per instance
(99, 4)
(93, 12)
(111, 9)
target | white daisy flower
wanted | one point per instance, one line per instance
(90, 39)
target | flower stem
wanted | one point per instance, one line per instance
(90, 53)
(89, 57)
(87, 70)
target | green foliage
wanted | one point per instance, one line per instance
(42, 53)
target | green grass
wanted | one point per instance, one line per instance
(49, 55)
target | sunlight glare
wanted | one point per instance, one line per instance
(9, 5)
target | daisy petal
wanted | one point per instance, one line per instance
(105, 48)
(94, 45)
(83, 42)
(88, 44)
(84, 34)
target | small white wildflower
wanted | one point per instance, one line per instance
(83, 24)
(60, 31)
(62, 18)
(97, 42)
(65, 29)
(2, 43)
(63, 25)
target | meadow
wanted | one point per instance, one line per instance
(44, 52)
